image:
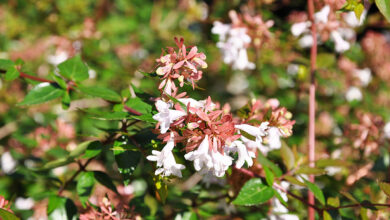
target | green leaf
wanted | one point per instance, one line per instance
(333, 201)
(101, 92)
(139, 105)
(385, 187)
(80, 149)
(293, 180)
(105, 180)
(326, 60)
(326, 216)
(126, 158)
(267, 163)
(84, 186)
(358, 10)
(93, 149)
(5, 64)
(151, 202)
(279, 197)
(269, 176)
(65, 100)
(6, 215)
(316, 191)
(322, 163)
(254, 192)
(41, 93)
(287, 156)
(310, 170)
(363, 214)
(74, 69)
(11, 74)
(349, 196)
(61, 82)
(61, 208)
(384, 8)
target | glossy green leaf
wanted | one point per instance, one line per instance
(74, 69)
(105, 180)
(65, 100)
(126, 158)
(11, 74)
(93, 149)
(80, 149)
(269, 176)
(322, 163)
(61, 208)
(267, 163)
(61, 82)
(101, 92)
(316, 191)
(6, 215)
(139, 105)
(384, 8)
(254, 192)
(85, 184)
(41, 93)
(287, 156)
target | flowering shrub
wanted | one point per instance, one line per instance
(238, 121)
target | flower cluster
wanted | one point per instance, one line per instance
(181, 65)
(329, 26)
(211, 136)
(235, 38)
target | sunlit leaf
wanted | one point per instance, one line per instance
(41, 93)
(101, 92)
(74, 69)
(254, 192)
(316, 191)
(85, 184)
(384, 8)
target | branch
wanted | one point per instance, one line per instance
(27, 76)
(312, 103)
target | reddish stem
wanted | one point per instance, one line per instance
(312, 103)
(24, 75)
(135, 112)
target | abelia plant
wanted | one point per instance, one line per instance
(237, 122)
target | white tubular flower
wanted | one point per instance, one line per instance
(220, 29)
(193, 102)
(242, 61)
(8, 163)
(206, 160)
(353, 93)
(351, 19)
(166, 161)
(274, 135)
(201, 156)
(386, 130)
(322, 15)
(364, 75)
(300, 28)
(243, 154)
(24, 203)
(341, 45)
(257, 132)
(166, 116)
(306, 41)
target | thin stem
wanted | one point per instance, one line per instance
(135, 112)
(81, 168)
(27, 76)
(312, 103)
